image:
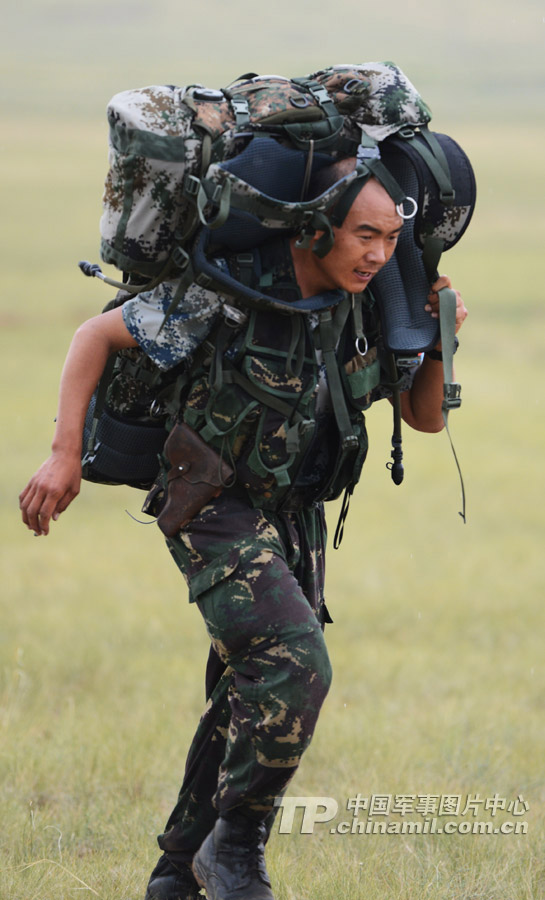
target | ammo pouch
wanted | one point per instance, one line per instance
(196, 474)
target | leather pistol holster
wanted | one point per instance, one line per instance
(196, 474)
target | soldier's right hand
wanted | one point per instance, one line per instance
(50, 490)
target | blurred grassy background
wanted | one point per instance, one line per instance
(437, 645)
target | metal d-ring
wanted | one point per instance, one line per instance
(411, 215)
(357, 345)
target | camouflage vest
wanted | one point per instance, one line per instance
(261, 398)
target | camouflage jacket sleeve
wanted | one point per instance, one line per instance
(169, 342)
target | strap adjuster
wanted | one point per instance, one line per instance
(452, 396)
(350, 442)
(180, 258)
(191, 186)
(203, 280)
(447, 196)
(367, 152)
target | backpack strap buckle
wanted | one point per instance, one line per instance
(452, 398)
(367, 153)
(191, 186)
(350, 442)
(241, 110)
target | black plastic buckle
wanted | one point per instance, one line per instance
(350, 442)
(245, 259)
(452, 396)
(447, 197)
(203, 280)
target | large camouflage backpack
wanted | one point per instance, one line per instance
(163, 140)
(194, 171)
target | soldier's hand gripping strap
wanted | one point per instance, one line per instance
(196, 475)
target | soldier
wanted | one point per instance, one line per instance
(253, 557)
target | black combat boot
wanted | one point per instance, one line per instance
(172, 881)
(231, 863)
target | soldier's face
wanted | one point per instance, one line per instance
(364, 244)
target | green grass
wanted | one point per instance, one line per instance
(437, 643)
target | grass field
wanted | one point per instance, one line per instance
(437, 645)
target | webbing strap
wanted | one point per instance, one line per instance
(339, 321)
(233, 376)
(328, 342)
(340, 317)
(388, 182)
(451, 389)
(435, 147)
(431, 254)
(208, 192)
(437, 163)
(356, 306)
(296, 349)
(100, 400)
(369, 165)
(255, 461)
(447, 326)
(320, 94)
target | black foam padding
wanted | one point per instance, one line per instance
(127, 451)
(274, 170)
(401, 287)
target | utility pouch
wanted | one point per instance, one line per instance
(196, 474)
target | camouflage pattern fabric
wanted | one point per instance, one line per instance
(169, 343)
(276, 214)
(268, 446)
(157, 134)
(377, 96)
(257, 578)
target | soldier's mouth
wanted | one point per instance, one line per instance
(363, 276)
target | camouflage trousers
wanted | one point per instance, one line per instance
(257, 578)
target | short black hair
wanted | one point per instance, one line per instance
(327, 176)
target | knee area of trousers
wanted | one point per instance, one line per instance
(316, 660)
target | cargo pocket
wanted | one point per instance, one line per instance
(201, 578)
(361, 382)
(212, 574)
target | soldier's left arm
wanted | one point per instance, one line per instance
(421, 405)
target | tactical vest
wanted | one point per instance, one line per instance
(282, 397)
